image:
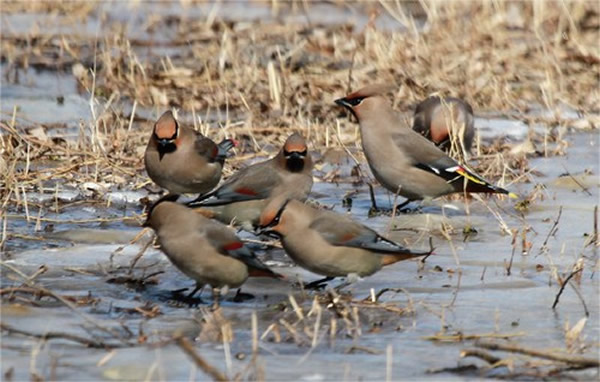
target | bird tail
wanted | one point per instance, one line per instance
(224, 147)
(478, 184)
(201, 201)
(391, 258)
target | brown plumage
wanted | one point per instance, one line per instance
(402, 160)
(243, 196)
(328, 243)
(203, 249)
(442, 120)
(181, 159)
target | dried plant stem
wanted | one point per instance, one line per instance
(489, 358)
(567, 358)
(563, 285)
(67, 303)
(61, 335)
(514, 248)
(552, 231)
(188, 348)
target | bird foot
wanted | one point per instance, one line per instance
(318, 284)
(409, 210)
(374, 211)
(178, 299)
(241, 296)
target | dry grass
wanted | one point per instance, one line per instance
(258, 81)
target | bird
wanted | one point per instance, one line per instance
(203, 249)
(404, 161)
(182, 160)
(444, 119)
(327, 243)
(242, 197)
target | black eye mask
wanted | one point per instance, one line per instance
(294, 161)
(355, 101)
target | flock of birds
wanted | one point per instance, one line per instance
(268, 197)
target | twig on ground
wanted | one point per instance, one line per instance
(514, 247)
(187, 347)
(65, 302)
(487, 357)
(463, 337)
(552, 231)
(61, 335)
(567, 358)
(563, 285)
(577, 182)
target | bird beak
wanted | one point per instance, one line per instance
(343, 102)
(296, 155)
(259, 230)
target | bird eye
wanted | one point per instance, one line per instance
(277, 217)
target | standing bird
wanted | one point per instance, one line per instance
(242, 197)
(402, 160)
(328, 243)
(444, 120)
(182, 160)
(204, 250)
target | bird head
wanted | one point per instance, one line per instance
(365, 98)
(166, 132)
(273, 219)
(295, 153)
(154, 220)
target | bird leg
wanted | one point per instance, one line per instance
(374, 208)
(350, 279)
(401, 210)
(198, 287)
(216, 293)
(189, 298)
(318, 284)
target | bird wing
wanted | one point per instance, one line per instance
(250, 183)
(228, 244)
(206, 147)
(210, 150)
(341, 231)
(425, 156)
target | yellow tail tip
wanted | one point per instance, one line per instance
(512, 195)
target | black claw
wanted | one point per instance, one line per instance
(318, 284)
(241, 296)
(179, 300)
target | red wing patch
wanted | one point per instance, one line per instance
(245, 191)
(348, 237)
(233, 246)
